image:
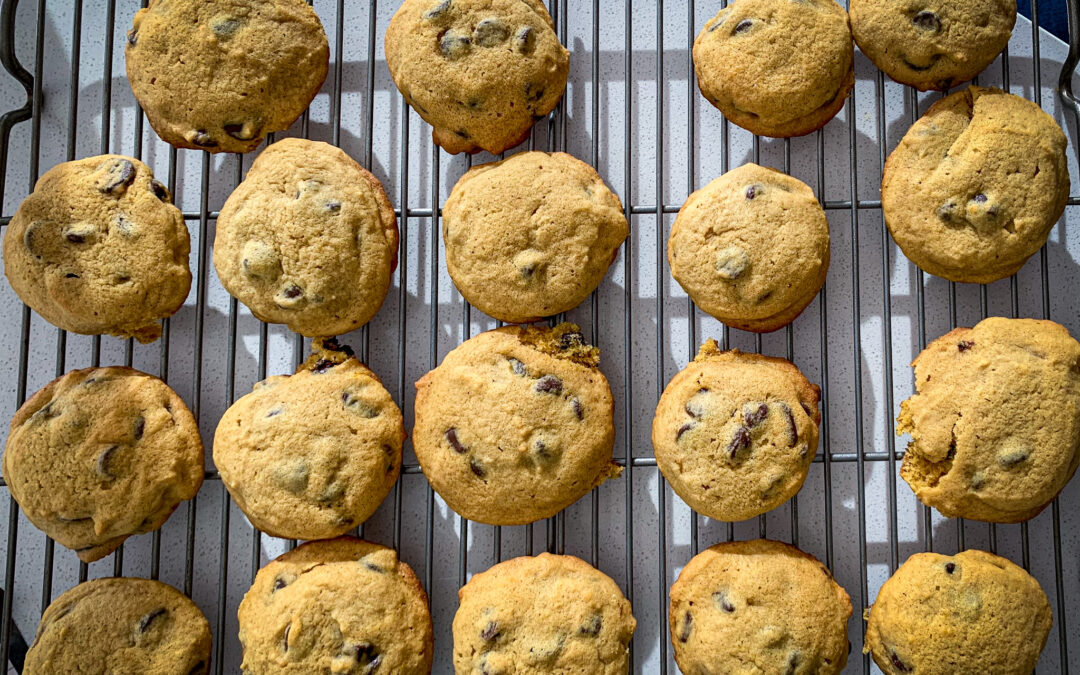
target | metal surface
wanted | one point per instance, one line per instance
(632, 110)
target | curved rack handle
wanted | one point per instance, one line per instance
(11, 64)
(1068, 69)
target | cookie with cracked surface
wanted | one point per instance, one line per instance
(973, 612)
(976, 185)
(932, 44)
(758, 606)
(480, 72)
(775, 67)
(219, 75)
(543, 614)
(309, 239)
(99, 248)
(101, 454)
(516, 424)
(531, 236)
(121, 625)
(313, 454)
(995, 422)
(735, 433)
(751, 248)
(336, 606)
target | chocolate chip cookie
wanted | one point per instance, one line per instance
(101, 454)
(776, 67)
(219, 75)
(516, 424)
(480, 72)
(976, 185)
(758, 607)
(543, 614)
(337, 606)
(122, 626)
(312, 455)
(98, 247)
(735, 433)
(973, 612)
(751, 248)
(309, 239)
(995, 422)
(932, 44)
(531, 236)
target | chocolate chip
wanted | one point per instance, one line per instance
(743, 26)
(571, 340)
(79, 232)
(438, 11)
(285, 637)
(275, 411)
(1010, 458)
(279, 584)
(150, 617)
(545, 454)
(322, 365)
(579, 409)
(965, 345)
(132, 37)
(518, 367)
(332, 344)
(203, 139)
(332, 493)
(242, 131)
(731, 262)
(160, 191)
(225, 27)
(477, 468)
(103, 460)
(123, 225)
(754, 416)
(688, 625)
(452, 439)
(333, 207)
(793, 430)
(979, 198)
(120, 176)
(525, 40)
(753, 191)
(927, 20)
(898, 664)
(491, 632)
(354, 404)
(71, 275)
(740, 440)
(721, 599)
(29, 237)
(44, 413)
(365, 654)
(290, 296)
(950, 568)
(592, 626)
(454, 46)
(373, 567)
(139, 427)
(947, 211)
(490, 32)
(534, 92)
(683, 429)
(293, 476)
(793, 663)
(549, 384)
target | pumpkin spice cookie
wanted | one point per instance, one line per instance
(219, 75)
(531, 236)
(973, 612)
(543, 614)
(976, 185)
(775, 67)
(336, 606)
(480, 72)
(121, 626)
(758, 607)
(995, 422)
(309, 239)
(99, 248)
(101, 454)
(516, 424)
(313, 454)
(932, 44)
(735, 433)
(751, 248)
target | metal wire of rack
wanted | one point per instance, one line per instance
(854, 513)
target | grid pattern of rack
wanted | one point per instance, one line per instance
(637, 116)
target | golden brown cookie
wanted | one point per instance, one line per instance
(101, 454)
(516, 424)
(758, 607)
(973, 612)
(480, 72)
(976, 185)
(776, 67)
(751, 248)
(98, 247)
(995, 422)
(309, 239)
(735, 433)
(531, 236)
(543, 614)
(219, 75)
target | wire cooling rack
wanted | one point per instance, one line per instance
(632, 110)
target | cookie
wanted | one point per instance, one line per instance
(531, 236)
(309, 239)
(312, 455)
(121, 626)
(480, 72)
(99, 248)
(751, 248)
(543, 614)
(758, 607)
(973, 612)
(337, 606)
(932, 44)
(976, 185)
(995, 422)
(101, 454)
(775, 67)
(516, 424)
(219, 75)
(735, 433)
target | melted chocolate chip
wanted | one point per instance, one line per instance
(898, 664)
(752, 191)
(755, 416)
(285, 637)
(332, 344)
(438, 11)
(793, 663)
(454, 46)
(133, 37)
(683, 429)
(927, 20)
(242, 131)
(120, 176)
(571, 340)
(979, 198)
(139, 427)
(732, 262)
(490, 32)
(322, 365)
(102, 465)
(292, 291)
(549, 384)
(225, 28)
(525, 40)
(740, 440)
(372, 566)
(965, 345)
(792, 428)
(365, 654)
(452, 439)
(203, 139)
(354, 404)
(149, 618)
(743, 26)
(518, 367)
(721, 600)
(950, 568)
(534, 92)
(160, 191)
(275, 411)
(592, 626)
(1011, 458)
(579, 409)
(687, 627)
(279, 584)
(491, 632)
(333, 207)
(476, 468)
